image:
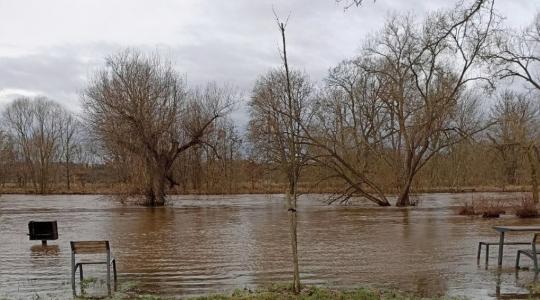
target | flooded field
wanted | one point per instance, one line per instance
(200, 245)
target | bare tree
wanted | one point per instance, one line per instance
(222, 149)
(70, 139)
(348, 118)
(36, 128)
(280, 110)
(138, 106)
(7, 157)
(516, 55)
(515, 129)
(424, 84)
(403, 100)
(274, 132)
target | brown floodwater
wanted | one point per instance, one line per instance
(201, 244)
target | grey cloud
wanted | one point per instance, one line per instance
(223, 41)
(56, 72)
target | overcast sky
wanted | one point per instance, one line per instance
(51, 47)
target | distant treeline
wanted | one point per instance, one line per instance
(485, 163)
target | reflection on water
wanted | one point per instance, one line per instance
(201, 245)
(39, 251)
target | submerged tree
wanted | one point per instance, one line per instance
(139, 107)
(348, 118)
(405, 93)
(424, 85)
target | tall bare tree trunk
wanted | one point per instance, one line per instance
(293, 169)
(156, 184)
(68, 175)
(404, 196)
(42, 178)
(159, 189)
(534, 178)
(67, 165)
(291, 198)
(405, 190)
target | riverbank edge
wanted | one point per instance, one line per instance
(274, 191)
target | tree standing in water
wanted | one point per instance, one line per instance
(139, 107)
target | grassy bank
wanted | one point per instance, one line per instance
(274, 292)
(284, 292)
(312, 293)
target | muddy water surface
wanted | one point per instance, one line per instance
(200, 245)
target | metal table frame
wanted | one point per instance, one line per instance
(503, 229)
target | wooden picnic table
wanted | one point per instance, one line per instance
(503, 229)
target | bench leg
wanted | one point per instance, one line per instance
(487, 254)
(517, 259)
(73, 275)
(501, 246)
(109, 278)
(80, 273)
(478, 253)
(535, 260)
(114, 273)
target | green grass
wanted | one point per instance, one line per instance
(130, 290)
(283, 292)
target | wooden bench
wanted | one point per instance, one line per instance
(487, 244)
(92, 247)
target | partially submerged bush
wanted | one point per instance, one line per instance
(493, 208)
(467, 209)
(488, 208)
(527, 209)
(493, 212)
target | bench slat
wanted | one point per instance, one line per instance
(90, 247)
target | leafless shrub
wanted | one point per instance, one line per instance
(526, 209)
(468, 209)
(487, 207)
(493, 210)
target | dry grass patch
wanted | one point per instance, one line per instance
(526, 209)
(486, 207)
(523, 207)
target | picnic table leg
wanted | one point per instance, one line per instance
(73, 274)
(109, 273)
(478, 253)
(498, 285)
(487, 255)
(81, 273)
(501, 245)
